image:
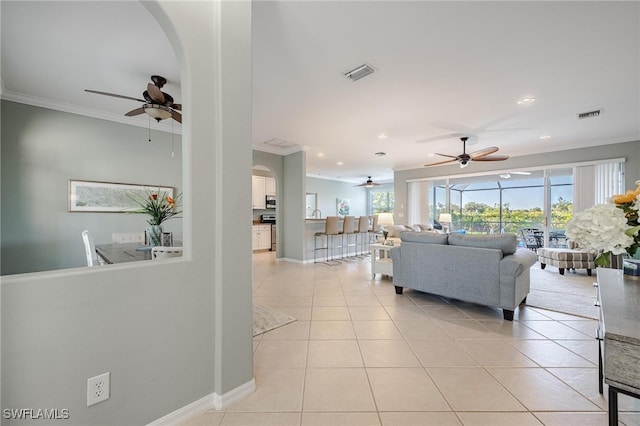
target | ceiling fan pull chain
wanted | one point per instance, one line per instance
(149, 128)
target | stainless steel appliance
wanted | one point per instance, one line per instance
(270, 218)
(270, 201)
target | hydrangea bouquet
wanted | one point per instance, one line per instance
(610, 229)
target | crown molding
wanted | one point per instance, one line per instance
(87, 112)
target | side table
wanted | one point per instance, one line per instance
(381, 260)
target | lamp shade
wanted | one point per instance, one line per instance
(445, 218)
(385, 218)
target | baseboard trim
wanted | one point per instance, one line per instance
(209, 402)
(223, 401)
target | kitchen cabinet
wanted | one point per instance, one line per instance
(261, 237)
(258, 191)
(269, 186)
(261, 186)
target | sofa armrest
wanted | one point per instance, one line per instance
(515, 264)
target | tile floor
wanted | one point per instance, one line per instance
(358, 354)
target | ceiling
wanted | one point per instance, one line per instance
(442, 70)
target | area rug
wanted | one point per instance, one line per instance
(571, 293)
(266, 319)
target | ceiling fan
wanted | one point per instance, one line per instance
(369, 183)
(464, 159)
(156, 103)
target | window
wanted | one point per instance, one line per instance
(381, 200)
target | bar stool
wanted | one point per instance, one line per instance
(374, 232)
(330, 232)
(348, 228)
(363, 231)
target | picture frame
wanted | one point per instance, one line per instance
(343, 207)
(108, 197)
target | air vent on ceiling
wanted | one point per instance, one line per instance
(279, 143)
(360, 72)
(590, 114)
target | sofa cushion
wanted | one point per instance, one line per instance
(423, 237)
(415, 228)
(507, 243)
(422, 227)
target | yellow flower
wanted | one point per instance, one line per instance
(629, 197)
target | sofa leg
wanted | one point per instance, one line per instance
(508, 315)
(543, 265)
(399, 289)
(561, 270)
(589, 272)
(524, 300)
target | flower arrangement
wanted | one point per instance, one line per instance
(610, 229)
(159, 205)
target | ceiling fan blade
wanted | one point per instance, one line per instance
(136, 111)
(483, 152)
(441, 162)
(155, 93)
(492, 158)
(447, 155)
(114, 95)
(176, 116)
(176, 106)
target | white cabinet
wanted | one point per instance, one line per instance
(262, 186)
(270, 186)
(261, 237)
(258, 187)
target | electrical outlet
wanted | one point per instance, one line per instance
(98, 388)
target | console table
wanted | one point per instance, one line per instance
(618, 336)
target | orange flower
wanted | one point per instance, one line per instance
(171, 201)
(629, 197)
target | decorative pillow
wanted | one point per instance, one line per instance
(394, 230)
(423, 237)
(415, 228)
(507, 243)
(422, 227)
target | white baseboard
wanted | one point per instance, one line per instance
(209, 402)
(223, 401)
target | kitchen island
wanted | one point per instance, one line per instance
(318, 225)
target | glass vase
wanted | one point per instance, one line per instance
(153, 235)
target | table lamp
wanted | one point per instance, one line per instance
(445, 218)
(385, 219)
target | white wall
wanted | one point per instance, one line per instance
(169, 332)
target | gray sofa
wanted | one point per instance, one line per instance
(484, 269)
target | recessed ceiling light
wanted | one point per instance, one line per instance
(380, 154)
(543, 137)
(320, 154)
(339, 163)
(526, 101)
(431, 154)
(382, 136)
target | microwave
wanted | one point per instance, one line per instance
(270, 201)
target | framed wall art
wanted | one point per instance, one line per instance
(89, 196)
(342, 207)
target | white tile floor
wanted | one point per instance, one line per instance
(359, 354)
